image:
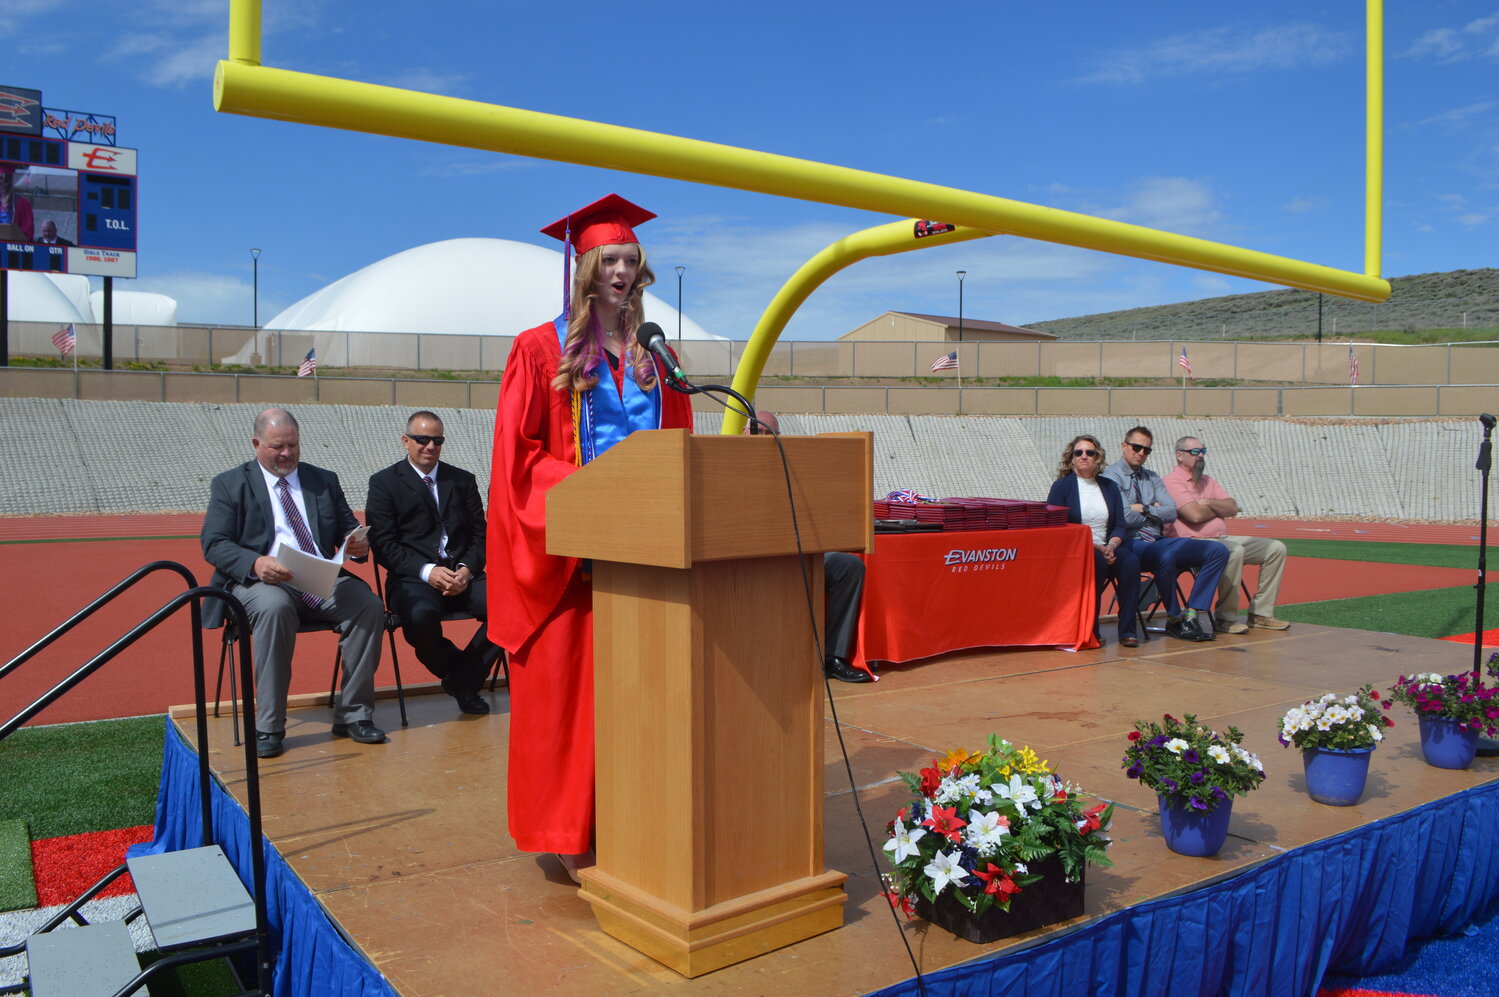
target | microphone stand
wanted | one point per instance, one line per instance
(1487, 746)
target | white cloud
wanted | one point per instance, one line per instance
(1175, 204)
(166, 60)
(1472, 219)
(1211, 285)
(1448, 45)
(424, 80)
(1442, 44)
(1305, 205)
(208, 297)
(1223, 52)
(495, 163)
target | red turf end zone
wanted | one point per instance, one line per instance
(65, 867)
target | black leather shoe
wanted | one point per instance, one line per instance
(468, 700)
(269, 745)
(840, 669)
(1189, 628)
(362, 731)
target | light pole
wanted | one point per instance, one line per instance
(961, 275)
(680, 272)
(255, 263)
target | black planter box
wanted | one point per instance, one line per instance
(1047, 902)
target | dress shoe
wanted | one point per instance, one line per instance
(1268, 623)
(571, 864)
(1188, 627)
(269, 745)
(1129, 640)
(362, 731)
(840, 669)
(1229, 627)
(469, 701)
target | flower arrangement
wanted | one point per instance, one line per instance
(1333, 721)
(979, 820)
(1462, 697)
(1193, 766)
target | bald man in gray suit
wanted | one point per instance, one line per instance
(276, 496)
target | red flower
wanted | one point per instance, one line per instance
(930, 780)
(997, 882)
(1090, 822)
(945, 820)
(1373, 693)
(901, 903)
(1134, 735)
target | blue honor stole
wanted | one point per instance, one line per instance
(602, 416)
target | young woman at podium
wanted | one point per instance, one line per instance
(572, 388)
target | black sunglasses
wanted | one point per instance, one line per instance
(1085, 453)
(422, 441)
(1139, 447)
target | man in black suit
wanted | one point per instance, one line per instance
(427, 525)
(277, 497)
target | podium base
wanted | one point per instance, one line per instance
(698, 942)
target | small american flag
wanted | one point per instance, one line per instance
(1184, 363)
(309, 363)
(1352, 366)
(65, 339)
(948, 362)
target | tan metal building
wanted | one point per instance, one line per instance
(913, 327)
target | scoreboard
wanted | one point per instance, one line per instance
(80, 197)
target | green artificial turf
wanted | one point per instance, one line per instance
(1434, 555)
(70, 778)
(1426, 613)
(17, 881)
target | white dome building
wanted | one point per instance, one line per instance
(475, 287)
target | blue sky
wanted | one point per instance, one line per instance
(1238, 124)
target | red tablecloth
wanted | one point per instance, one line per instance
(932, 593)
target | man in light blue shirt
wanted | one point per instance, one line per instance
(1148, 508)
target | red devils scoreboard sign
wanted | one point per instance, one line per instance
(68, 193)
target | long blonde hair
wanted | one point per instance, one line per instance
(582, 353)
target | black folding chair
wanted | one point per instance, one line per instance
(230, 638)
(393, 623)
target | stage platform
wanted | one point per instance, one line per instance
(404, 846)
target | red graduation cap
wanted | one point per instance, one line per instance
(609, 221)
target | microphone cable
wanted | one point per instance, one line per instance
(801, 560)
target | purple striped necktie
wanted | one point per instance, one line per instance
(442, 551)
(299, 527)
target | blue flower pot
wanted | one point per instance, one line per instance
(1445, 744)
(1336, 776)
(1195, 832)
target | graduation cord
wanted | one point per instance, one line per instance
(801, 560)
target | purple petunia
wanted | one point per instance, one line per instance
(1158, 741)
(1219, 794)
(1134, 770)
(1169, 785)
(1198, 777)
(1197, 804)
(1191, 757)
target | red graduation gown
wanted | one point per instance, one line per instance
(540, 606)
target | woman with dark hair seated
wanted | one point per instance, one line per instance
(1095, 502)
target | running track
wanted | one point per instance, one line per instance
(50, 567)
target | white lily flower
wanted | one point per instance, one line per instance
(902, 843)
(944, 869)
(1018, 791)
(984, 831)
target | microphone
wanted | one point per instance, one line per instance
(650, 336)
(1487, 420)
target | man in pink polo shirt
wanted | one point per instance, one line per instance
(1201, 508)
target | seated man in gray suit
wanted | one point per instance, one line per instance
(276, 497)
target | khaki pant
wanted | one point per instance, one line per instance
(1270, 555)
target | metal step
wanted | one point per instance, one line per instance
(192, 897)
(90, 961)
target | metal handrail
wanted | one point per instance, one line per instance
(89, 610)
(193, 598)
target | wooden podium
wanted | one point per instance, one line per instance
(708, 691)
